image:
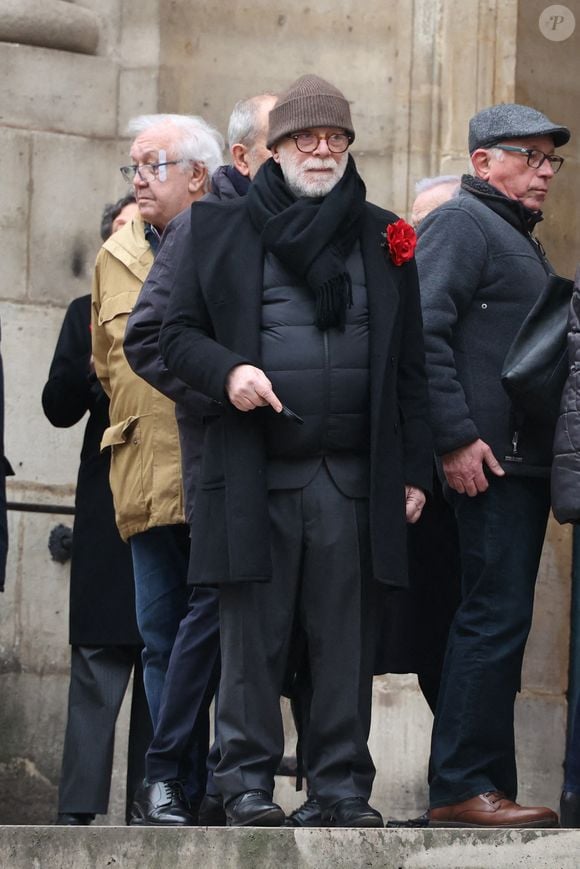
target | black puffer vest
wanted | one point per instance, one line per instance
(321, 376)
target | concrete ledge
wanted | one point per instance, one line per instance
(255, 848)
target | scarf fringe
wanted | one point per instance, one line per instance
(333, 297)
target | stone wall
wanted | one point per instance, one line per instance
(415, 70)
(70, 77)
(547, 76)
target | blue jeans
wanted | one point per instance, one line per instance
(160, 561)
(501, 533)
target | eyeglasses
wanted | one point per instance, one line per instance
(308, 142)
(534, 157)
(146, 171)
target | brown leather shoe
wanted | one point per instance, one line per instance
(492, 809)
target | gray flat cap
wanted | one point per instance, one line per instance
(512, 121)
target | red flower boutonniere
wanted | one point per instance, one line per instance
(401, 241)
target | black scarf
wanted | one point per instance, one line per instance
(311, 236)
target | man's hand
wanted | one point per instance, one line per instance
(414, 503)
(464, 468)
(248, 388)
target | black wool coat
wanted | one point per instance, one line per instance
(213, 323)
(102, 596)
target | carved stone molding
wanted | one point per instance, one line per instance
(49, 24)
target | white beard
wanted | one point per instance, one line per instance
(302, 183)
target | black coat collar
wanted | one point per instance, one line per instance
(520, 217)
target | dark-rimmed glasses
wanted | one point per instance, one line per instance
(308, 142)
(146, 171)
(534, 157)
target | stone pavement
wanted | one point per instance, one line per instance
(254, 848)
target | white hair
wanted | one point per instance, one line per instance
(429, 183)
(244, 124)
(197, 141)
(498, 154)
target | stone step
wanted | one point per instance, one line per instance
(257, 848)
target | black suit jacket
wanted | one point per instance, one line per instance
(213, 323)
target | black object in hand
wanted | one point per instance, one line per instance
(289, 414)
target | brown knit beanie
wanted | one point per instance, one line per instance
(309, 102)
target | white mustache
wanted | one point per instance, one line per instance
(319, 163)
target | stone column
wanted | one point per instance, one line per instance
(59, 110)
(49, 24)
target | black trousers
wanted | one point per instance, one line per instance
(322, 579)
(98, 681)
(179, 749)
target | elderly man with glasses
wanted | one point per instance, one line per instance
(173, 158)
(481, 269)
(301, 318)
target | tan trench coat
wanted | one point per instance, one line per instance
(145, 457)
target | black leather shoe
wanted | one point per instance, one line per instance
(306, 815)
(421, 821)
(352, 812)
(73, 819)
(211, 812)
(569, 809)
(161, 804)
(254, 809)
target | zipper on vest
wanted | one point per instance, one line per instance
(326, 350)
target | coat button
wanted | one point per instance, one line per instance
(484, 306)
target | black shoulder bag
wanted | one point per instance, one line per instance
(536, 365)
